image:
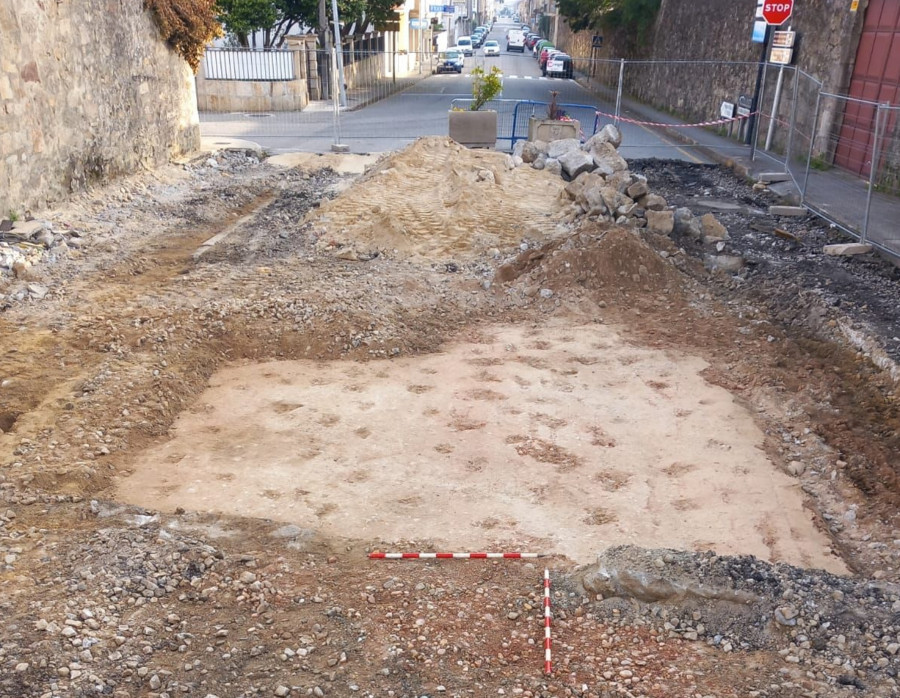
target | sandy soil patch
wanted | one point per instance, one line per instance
(562, 439)
(437, 199)
(342, 163)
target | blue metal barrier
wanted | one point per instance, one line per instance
(583, 113)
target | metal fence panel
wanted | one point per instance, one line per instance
(248, 64)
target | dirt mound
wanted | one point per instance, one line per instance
(606, 262)
(438, 199)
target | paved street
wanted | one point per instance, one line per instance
(421, 110)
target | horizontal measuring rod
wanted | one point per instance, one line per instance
(453, 556)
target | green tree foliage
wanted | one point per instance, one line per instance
(186, 25)
(634, 17)
(275, 18)
(243, 17)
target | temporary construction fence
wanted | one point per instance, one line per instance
(834, 148)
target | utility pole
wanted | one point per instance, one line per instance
(339, 49)
(325, 42)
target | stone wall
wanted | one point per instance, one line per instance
(88, 90)
(720, 34)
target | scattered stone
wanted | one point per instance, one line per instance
(713, 231)
(639, 189)
(787, 211)
(796, 468)
(772, 177)
(730, 264)
(608, 134)
(847, 249)
(553, 166)
(662, 222)
(575, 162)
(37, 291)
(786, 615)
(556, 149)
(606, 159)
(653, 202)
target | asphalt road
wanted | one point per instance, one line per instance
(421, 110)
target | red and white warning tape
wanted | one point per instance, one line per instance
(453, 556)
(548, 661)
(653, 123)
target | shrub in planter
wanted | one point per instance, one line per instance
(472, 127)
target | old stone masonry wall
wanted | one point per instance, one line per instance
(87, 90)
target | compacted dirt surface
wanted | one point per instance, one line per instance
(225, 382)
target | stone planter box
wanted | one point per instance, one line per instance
(550, 130)
(474, 129)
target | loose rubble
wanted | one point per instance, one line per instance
(111, 327)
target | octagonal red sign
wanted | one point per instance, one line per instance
(776, 12)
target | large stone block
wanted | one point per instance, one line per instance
(608, 134)
(662, 222)
(607, 160)
(713, 231)
(557, 148)
(575, 162)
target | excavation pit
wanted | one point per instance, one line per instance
(555, 439)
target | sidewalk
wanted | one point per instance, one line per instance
(835, 195)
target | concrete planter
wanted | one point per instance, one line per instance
(550, 130)
(474, 129)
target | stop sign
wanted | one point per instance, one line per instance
(777, 11)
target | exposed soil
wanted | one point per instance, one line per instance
(191, 471)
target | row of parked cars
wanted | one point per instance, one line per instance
(553, 62)
(454, 58)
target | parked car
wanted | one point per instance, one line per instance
(515, 40)
(464, 44)
(559, 65)
(545, 56)
(450, 61)
(478, 38)
(531, 40)
(491, 48)
(540, 46)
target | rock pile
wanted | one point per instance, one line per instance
(28, 243)
(602, 188)
(840, 631)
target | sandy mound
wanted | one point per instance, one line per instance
(604, 262)
(438, 198)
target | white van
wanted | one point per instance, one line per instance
(515, 40)
(464, 44)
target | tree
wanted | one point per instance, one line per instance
(243, 17)
(276, 18)
(635, 17)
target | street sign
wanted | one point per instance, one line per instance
(782, 47)
(597, 41)
(744, 105)
(781, 56)
(726, 111)
(436, 8)
(776, 12)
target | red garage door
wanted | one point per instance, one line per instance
(876, 78)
